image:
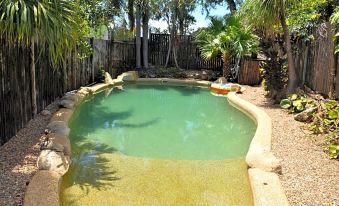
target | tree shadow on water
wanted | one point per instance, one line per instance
(137, 125)
(91, 168)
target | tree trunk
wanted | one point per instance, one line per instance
(169, 51)
(145, 20)
(131, 18)
(292, 75)
(138, 38)
(226, 72)
(181, 27)
(175, 56)
(33, 80)
(232, 6)
(170, 44)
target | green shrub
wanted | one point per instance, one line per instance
(100, 76)
(333, 144)
(273, 70)
(297, 103)
(325, 118)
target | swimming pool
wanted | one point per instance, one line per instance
(144, 144)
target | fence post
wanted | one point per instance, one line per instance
(91, 57)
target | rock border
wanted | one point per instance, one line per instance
(54, 160)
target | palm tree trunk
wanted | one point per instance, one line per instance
(131, 18)
(292, 75)
(138, 36)
(226, 72)
(232, 6)
(145, 20)
(33, 80)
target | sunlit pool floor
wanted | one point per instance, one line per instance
(116, 179)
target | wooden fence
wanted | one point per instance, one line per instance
(188, 53)
(316, 65)
(15, 86)
(113, 56)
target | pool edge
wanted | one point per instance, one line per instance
(263, 165)
(265, 183)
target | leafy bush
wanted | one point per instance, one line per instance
(297, 103)
(100, 77)
(325, 118)
(273, 70)
(333, 144)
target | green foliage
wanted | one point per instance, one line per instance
(327, 118)
(334, 151)
(332, 143)
(303, 15)
(265, 14)
(335, 21)
(51, 22)
(324, 117)
(84, 49)
(297, 103)
(274, 69)
(228, 37)
(100, 77)
(99, 13)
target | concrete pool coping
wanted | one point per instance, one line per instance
(54, 160)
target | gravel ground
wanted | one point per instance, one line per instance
(309, 177)
(18, 160)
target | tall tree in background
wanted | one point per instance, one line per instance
(174, 12)
(145, 21)
(232, 4)
(138, 5)
(43, 22)
(266, 14)
(131, 18)
(185, 18)
(100, 13)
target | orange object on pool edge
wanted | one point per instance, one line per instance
(225, 88)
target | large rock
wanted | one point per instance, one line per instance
(63, 114)
(108, 79)
(57, 143)
(43, 189)
(128, 76)
(65, 103)
(305, 116)
(70, 96)
(53, 161)
(59, 127)
(45, 112)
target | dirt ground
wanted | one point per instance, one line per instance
(309, 177)
(18, 160)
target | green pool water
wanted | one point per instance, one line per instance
(166, 122)
(153, 144)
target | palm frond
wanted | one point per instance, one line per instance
(50, 22)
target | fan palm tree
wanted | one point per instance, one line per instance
(42, 22)
(266, 14)
(228, 38)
